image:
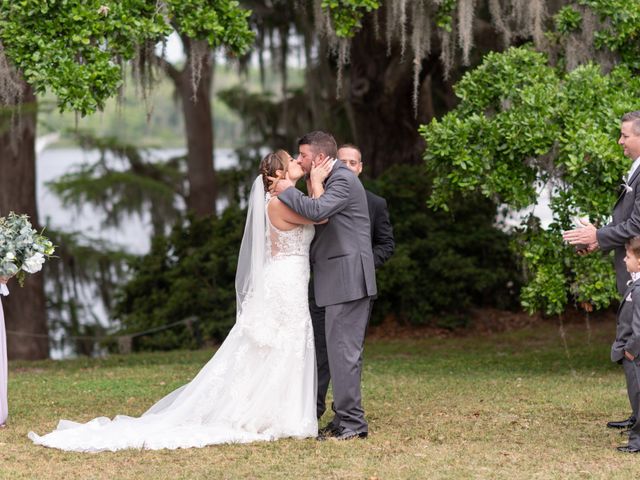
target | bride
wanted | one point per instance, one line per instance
(261, 383)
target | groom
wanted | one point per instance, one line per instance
(343, 275)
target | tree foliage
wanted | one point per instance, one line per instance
(522, 124)
(620, 28)
(125, 180)
(73, 47)
(77, 48)
(528, 119)
(347, 14)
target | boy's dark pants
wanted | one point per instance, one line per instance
(632, 374)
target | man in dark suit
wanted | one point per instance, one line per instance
(383, 246)
(381, 230)
(625, 223)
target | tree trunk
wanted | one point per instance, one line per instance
(380, 94)
(198, 117)
(380, 97)
(25, 307)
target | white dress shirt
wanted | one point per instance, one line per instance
(634, 167)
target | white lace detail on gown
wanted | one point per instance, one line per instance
(259, 385)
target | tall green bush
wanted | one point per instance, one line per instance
(445, 262)
(190, 272)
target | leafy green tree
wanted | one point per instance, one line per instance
(78, 50)
(526, 119)
(347, 14)
(522, 124)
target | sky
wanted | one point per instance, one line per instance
(174, 52)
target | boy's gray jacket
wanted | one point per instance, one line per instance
(628, 324)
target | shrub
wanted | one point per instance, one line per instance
(445, 262)
(190, 272)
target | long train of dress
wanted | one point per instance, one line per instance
(259, 385)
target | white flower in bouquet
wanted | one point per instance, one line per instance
(34, 263)
(22, 248)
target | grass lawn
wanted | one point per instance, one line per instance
(509, 405)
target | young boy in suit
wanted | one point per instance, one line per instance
(626, 347)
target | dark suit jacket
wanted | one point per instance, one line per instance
(381, 229)
(628, 324)
(624, 225)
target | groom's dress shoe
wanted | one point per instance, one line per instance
(628, 449)
(329, 431)
(628, 423)
(349, 435)
(342, 435)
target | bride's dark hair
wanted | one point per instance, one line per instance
(271, 163)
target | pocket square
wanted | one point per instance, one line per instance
(628, 299)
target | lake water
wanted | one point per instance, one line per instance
(133, 235)
(135, 232)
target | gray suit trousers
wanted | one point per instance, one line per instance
(632, 373)
(345, 327)
(322, 359)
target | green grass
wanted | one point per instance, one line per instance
(510, 405)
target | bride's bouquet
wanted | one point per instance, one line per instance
(22, 249)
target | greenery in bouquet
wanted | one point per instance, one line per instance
(22, 249)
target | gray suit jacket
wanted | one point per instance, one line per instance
(341, 255)
(624, 225)
(628, 324)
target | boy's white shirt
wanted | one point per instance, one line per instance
(634, 276)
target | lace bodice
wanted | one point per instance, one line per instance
(286, 243)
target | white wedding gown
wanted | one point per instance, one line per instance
(259, 385)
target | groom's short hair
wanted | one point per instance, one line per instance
(633, 117)
(320, 142)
